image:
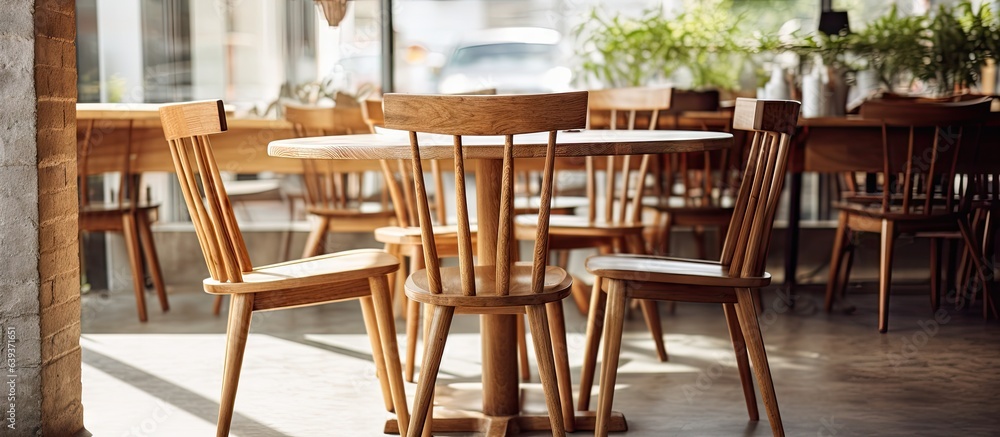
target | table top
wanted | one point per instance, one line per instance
(115, 111)
(396, 145)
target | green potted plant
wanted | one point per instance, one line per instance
(710, 34)
(702, 39)
(962, 38)
(620, 51)
(893, 47)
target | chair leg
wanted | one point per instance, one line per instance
(412, 324)
(845, 273)
(390, 350)
(665, 234)
(522, 350)
(317, 236)
(426, 333)
(742, 361)
(237, 331)
(651, 312)
(393, 249)
(885, 273)
(412, 321)
(835, 259)
(546, 367)
(152, 261)
(562, 259)
(440, 324)
(701, 251)
(129, 232)
(557, 332)
(371, 327)
(613, 324)
(958, 280)
(935, 273)
(595, 324)
(747, 316)
(981, 267)
(217, 305)
(649, 307)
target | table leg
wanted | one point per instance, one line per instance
(792, 232)
(500, 383)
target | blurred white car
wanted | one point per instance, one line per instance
(513, 60)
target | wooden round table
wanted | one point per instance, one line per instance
(501, 407)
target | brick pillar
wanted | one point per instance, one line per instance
(39, 268)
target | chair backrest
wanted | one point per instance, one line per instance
(127, 196)
(922, 145)
(623, 106)
(187, 127)
(772, 123)
(398, 176)
(705, 178)
(371, 110)
(326, 187)
(485, 115)
(983, 170)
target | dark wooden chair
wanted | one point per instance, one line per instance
(124, 214)
(924, 143)
(730, 281)
(507, 287)
(356, 274)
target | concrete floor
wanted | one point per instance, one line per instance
(307, 371)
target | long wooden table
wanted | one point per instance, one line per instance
(242, 150)
(501, 406)
(849, 144)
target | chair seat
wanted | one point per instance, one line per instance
(107, 217)
(647, 268)
(895, 212)
(251, 187)
(574, 225)
(445, 234)
(676, 203)
(868, 198)
(562, 205)
(556, 286)
(114, 208)
(366, 209)
(316, 271)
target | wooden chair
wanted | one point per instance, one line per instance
(704, 196)
(983, 197)
(729, 281)
(356, 274)
(619, 227)
(336, 198)
(506, 287)
(923, 145)
(403, 240)
(124, 215)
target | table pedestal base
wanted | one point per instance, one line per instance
(498, 426)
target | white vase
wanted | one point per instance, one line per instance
(777, 87)
(813, 95)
